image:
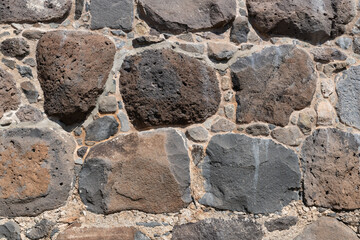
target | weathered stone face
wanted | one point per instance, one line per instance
(331, 164)
(101, 129)
(36, 171)
(32, 11)
(146, 171)
(166, 88)
(9, 95)
(187, 15)
(15, 47)
(273, 83)
(312, 21)
(249, 174)
(72, 69)
(218, 229)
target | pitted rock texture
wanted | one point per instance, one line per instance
(32, 11)
(273, 83)
(348, 89)
(73, 68)
(36, 170)
(249, 174)
(9, 94)
(15, 47)
(331, 169)
(312, 21)
(218, 229)
(166, 88)
(146, 171)
(187, 15)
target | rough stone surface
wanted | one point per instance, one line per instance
(166, 88)
(101, 129)
(218, 229)
(281, 224)
(72, 69)
(146, 41)
(28, 113)
(327, 228)
(240, 30)
(327, 54)
(79, 5)
(40, 230)
(291, 135)
(312, 21)
(25, 71)
(146, 171)
(9, 95)
(10, 231)
(197, 154)
(33, 34)
(115, 14)
(15, 47)
(124, 122)
(348, 89)
(30, 91)
(221, 51)
(325, 113)
(82, 151)
(258, 130)
(32, 11)
(307, 120)
(36, 169)
(107, 104)
(223, 125)
(187, 15)
(273, 83)
(344, 42)
(249, 174)
(331, 169)
(197, 134)
(9, 63)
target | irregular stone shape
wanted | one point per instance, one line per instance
(192, 47)
(93, 233)
(187, 15)
(197, 134)
(218, 229)
(220, 51)
(166, 88)
(15, 47)
(327, 54)
(307, 120)
(249, 174)
(281, 224)
(239, 31)
(40, 230)
(331, 169)
(356, 45)
(32, 11)
(101, 129)
(325, 113)
(10, 230)
(124, 122)
(9, 95)
(258, 130)
(197, 154)
(107, 104)
(30, 91)
(348, 89)
(33, 34)
(273, 83)
(290, 135)
(9, 63)
(312, 21)
(82, 151)
(146, 171)
(115, 14)
(24, 71)
(79, 5)
(146, 41)
(223, 125)
(36, 170)
(73, 68)
(28, 113)
(344, 42)
(327, 228)
(30, 62)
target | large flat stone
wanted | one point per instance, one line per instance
(249, 174)
(36, 170)
(146, 171)
(9, 94)
(73, 68)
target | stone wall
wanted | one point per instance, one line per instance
(191, 119)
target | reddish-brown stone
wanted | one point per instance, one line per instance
(9, 94)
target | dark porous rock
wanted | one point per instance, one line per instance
(281, 224)
(25, 71)
(9, 94)
(73, 68)
(79, 5)
(41, 230)
(147, 171)
(176, 17)
(9, 63)
(348, 90)
(312, 21)
(33, 34)
(101, 129)
(239, 31)
(82, 151)
(28, 113)
(330, 158)
(33, 11)
(10, 231)
(218, 229)
(146, 41)
(327, 228)
(273, 83)
(258, 129)
(197, 154)
(15, 47)
(115, 14)
(166, 88)
(249, 174)
(30, 91)
(327, 54)
(36, 170)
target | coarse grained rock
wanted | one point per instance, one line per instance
(15, 47)
(187, 15)
(312, 21)
(327, 228)
(10, 230)
(197, 134)
(327, 54)
(240, 30)
(273, 83)
(32, 11)
(258, 129)
(9, 94)
(36, 170)
(147, 171)
(281, 224)
(167, 88)
(101, 129)
(218, 229)
(331, 169)
(73, 68)
(249, 174)
(29, 113)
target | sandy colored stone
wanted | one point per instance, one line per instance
(325, 113)
(220, 51)
(290, 135)
(9, 94)
(307, 120)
